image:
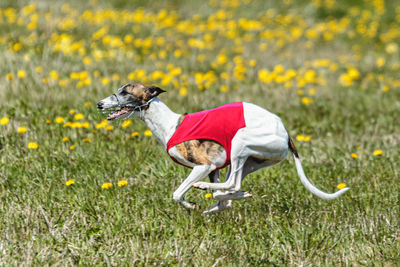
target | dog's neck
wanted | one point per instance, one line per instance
(160, 120)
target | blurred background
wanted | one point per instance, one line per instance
(328, 68)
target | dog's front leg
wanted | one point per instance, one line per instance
(198, 173)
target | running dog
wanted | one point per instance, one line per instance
(240, 135)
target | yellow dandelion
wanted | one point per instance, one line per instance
(135, 134)
(354, 155)
(109, 127)
(9, 76)
(38, 69)
(208, 195)
(183, 91)
(341, 186)
(87, 104)
(378, 152)
(21, 129)
(65, 139)
(148, 133)
(307, 138)
(102, 124)
(299, 137)
(380, 62)
(60, 120)
(126, 123)
(48, 122)
(21, 74)
(78, 116)
(106, 186)
(307, 101)
(69, 182)
(105, 81)
(33, 145)
(4, 121)
(224, 88)
(87, 140)
(122, 183)
(72, 147)
(72, 111)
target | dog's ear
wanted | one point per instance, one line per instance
(154, 91)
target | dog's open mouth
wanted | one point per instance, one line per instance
(119, 112)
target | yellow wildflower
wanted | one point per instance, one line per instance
(126, 123)
(307, 101)
(88, 104)
(85, 125)
(72, 111)
(4, 121)
(78, 116)
(48, 121)
(148, 133)
(65, 139)
(122, 183)
(60, 120)
(134, 134)
(354, 155)
(208, 195)
(105, 81)
(378, 152)
(21, 74)
(102, 124)
(341, 186)
(307, 138)
(9, 76)
(109, 127)
(69, 182)
(106, 186)
(87, 140)
(72, 147)
(21, 129)
(299, 137)
(183, 91)
(380, 62)
(33, 145)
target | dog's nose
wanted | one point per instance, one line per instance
(100, 105)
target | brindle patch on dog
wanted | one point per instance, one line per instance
(200, 151)
(137, 90)
(140, 93)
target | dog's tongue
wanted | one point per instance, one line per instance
(117, 113)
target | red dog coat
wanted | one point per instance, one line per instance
(219, 124)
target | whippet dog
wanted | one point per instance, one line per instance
(260, 141)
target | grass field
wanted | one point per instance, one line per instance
(328, 68)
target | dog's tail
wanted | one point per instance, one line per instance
(306, 182)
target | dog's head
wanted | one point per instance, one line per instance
(129, 100)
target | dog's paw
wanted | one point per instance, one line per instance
(220, 206)
(233, 195)
(201, 185)
(190, 205)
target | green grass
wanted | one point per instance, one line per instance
(45, 222)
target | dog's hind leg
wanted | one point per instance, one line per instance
(222, 204)
(234, 180)
(198, 173)
(252, 164)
